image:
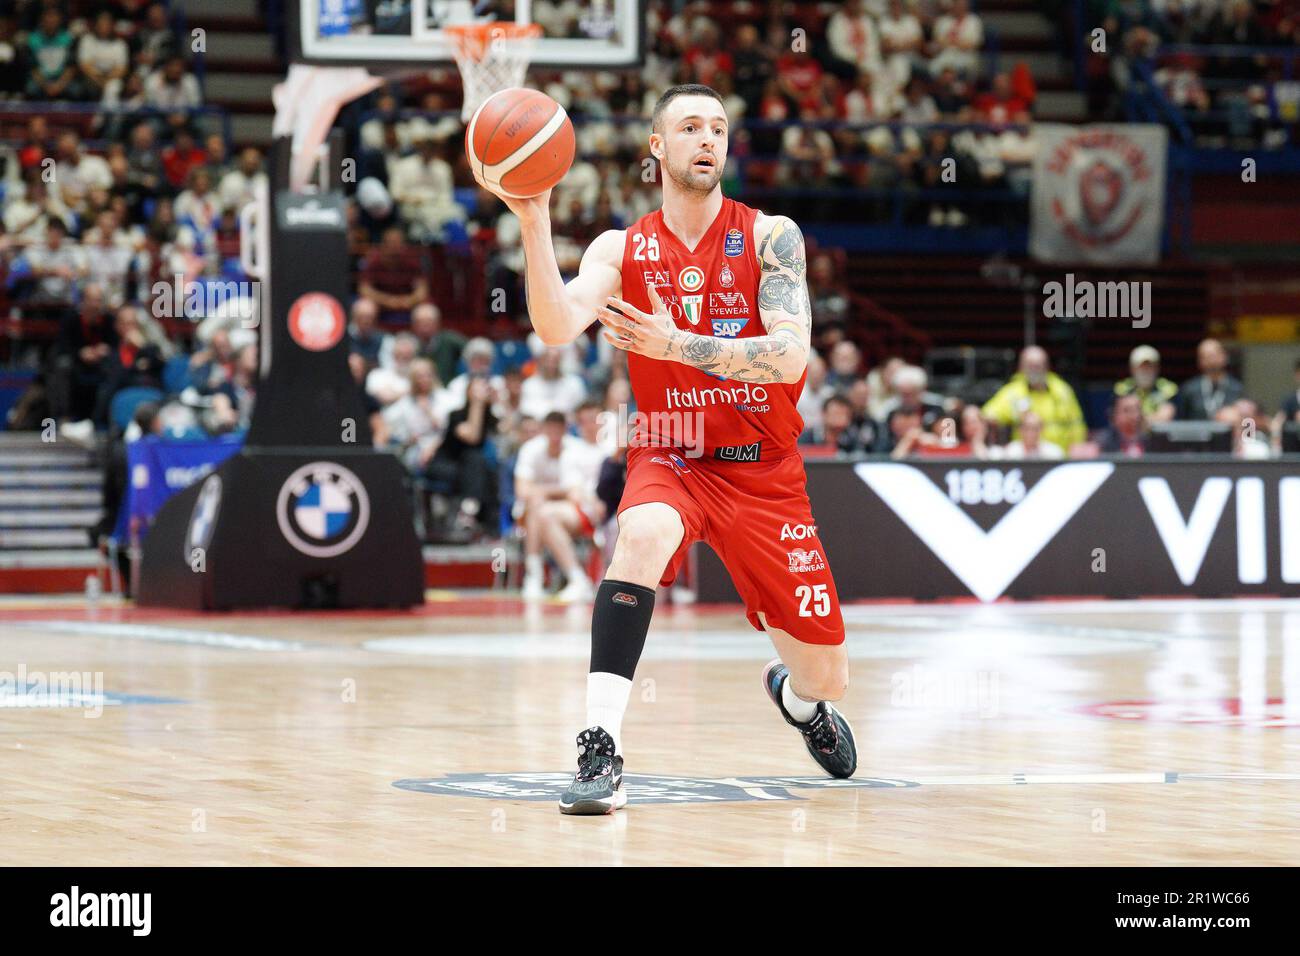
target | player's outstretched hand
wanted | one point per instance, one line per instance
(528, 210)
(647, 333)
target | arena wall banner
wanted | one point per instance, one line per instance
(1098, 194)
(1134, 528)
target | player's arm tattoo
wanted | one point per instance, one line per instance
(782, 354)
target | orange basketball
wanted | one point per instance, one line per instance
(519, 142)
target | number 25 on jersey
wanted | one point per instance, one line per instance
(644, 249)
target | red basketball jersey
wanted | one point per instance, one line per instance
(711, 291)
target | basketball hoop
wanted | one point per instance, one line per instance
(492, 57)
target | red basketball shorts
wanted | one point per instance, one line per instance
(756, 516)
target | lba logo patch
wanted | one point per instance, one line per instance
(316, 321)
(734, 244)
(691, 279)
(323, 509)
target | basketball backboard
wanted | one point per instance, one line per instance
(409, 33)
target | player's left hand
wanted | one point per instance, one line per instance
(653, 334)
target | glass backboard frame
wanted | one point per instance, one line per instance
(427, 47)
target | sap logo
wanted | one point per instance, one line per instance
(729, 328)
(986, 562)
(797, 532)
(802, 561)
(1187, 542)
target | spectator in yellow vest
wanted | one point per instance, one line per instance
(1035, 388)
(1157, 394)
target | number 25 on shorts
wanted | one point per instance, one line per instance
(814, 594)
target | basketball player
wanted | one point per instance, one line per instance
(708, 297)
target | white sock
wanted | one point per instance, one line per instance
(798, 708)
(606, 701)
(533, 567)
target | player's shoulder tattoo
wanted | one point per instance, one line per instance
(782, 247)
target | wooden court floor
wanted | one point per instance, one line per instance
(1092, 733)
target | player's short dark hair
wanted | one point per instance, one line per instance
(670, 94)
(556, 418)
(589, 403)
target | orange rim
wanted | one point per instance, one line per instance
(475, 39)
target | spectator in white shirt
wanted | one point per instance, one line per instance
(108, 258)
(392, 379)
(173, 87)
(478, 356)
(416, 422)
(853, 38)
(77, 172)
(27, 211)
(815, 392)
(57, 265)
(918, 105)
(1030, 444)
(422, 186)
(958, 37)
(902, 41)
(555, 482)
(238, 186)
(549, 389)
(198, 205)
(102, 55)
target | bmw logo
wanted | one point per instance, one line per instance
(323, 509)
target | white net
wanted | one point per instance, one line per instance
(491, 57)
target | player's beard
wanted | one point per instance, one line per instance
(691, 180)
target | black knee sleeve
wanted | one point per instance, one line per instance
(619, 622)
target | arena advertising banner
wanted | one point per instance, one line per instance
(1098, 194)
(991, 530)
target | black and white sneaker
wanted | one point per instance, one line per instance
(597, 787)
(828, 736)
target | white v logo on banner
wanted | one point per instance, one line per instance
(986, 562)
(1187, 542)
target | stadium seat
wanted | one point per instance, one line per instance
(126, 402)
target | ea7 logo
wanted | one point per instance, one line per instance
(802, 561)
(986, 562)
(797, 532)
(1187, 542)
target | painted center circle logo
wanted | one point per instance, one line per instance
(323, 509)
(691, 278)
(203, 519)
(316, 321)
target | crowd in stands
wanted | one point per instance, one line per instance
(801, 88)
(1239, 100)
